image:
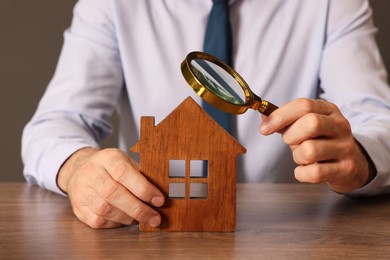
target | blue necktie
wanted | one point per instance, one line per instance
(218, 42)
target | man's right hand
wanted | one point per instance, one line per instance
(106, 189)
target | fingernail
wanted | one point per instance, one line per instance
(157, 201)
(265, 128)
(154, 221)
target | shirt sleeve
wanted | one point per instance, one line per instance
(353, 77)
(74, 111)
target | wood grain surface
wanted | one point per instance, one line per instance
(274, 221)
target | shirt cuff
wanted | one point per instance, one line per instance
(380, 184)
(51, 164)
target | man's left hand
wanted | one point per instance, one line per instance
(321, 142)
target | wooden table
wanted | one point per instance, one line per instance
(274, 221)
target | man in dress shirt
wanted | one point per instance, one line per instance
(317, 60)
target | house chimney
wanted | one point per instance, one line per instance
(147, 126)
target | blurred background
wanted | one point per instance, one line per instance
(31, 35)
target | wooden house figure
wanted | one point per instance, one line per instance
(193, 161)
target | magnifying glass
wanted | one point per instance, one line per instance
(220, 85)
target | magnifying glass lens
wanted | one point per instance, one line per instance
(218, 81)
(220, 85)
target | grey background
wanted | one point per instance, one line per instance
(30, 41)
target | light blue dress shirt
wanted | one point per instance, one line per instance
(125, 55)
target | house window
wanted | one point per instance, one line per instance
(177, 190)
(198, 190)
(188, 179)
(198, 168)
(177, 168)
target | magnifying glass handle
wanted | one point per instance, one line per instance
(266, 107)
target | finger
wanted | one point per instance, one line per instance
(105, 210)
(339, 173)
(119, 197)
(83, 212)
(314, 173)
(122, 170)
(292, 111)
(86, 215)
(319, 150)
(308, 127)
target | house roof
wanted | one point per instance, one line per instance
(190, 121)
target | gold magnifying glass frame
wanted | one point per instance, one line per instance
(251, 100)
